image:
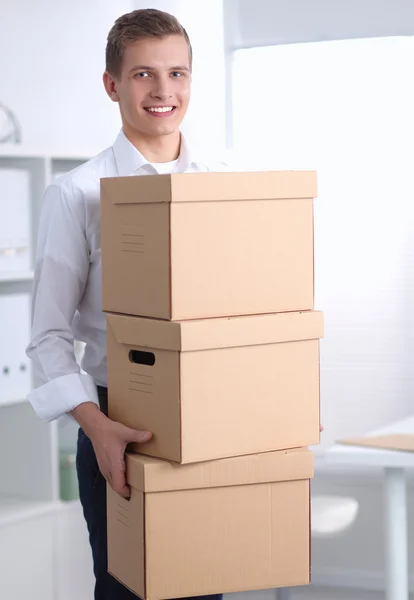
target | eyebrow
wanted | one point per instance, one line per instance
(146, 68)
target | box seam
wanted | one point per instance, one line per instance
(310, 532)
(319, 387)
(180, 405)
(144, 523)
(170, 265)
(270, 530)
(313, 254)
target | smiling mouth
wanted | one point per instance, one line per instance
(157, 110)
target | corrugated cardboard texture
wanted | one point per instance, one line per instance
(126, 529)
(395, 441)
(248, 531)
(231, 258)
(153, 475)
(136, 255)
(227, 539)
(217, 333)
(231, 525)
(251, 399)
(209, 404)
(208, 244)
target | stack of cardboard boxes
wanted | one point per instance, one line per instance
(213, 346)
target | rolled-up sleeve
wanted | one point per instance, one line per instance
(61, 272)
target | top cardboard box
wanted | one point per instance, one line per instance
(201, 245)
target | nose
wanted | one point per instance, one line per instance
(161, 89)
(160, 95)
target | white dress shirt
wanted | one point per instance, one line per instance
(67, 294)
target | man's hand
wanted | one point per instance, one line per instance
(109, 440)
(109, 443)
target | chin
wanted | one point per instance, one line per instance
(166, 130)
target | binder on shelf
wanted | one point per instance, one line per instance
(15, 254)
(15, 366)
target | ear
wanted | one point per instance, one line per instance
(110, 86)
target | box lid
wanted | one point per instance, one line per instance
(223, 332)
(154, 475)
(203, 187)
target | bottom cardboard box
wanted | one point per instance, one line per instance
(221, 526)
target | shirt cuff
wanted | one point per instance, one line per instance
(61, 395)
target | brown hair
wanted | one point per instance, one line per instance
(138, 25)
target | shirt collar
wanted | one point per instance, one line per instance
(128, 159)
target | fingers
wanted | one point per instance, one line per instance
(129, 435)
(111, 454)
(125, 491)
(139, 437)
(119, 485)
(113, 471)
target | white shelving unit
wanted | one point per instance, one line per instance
(9, 277)
(29, 449)
(14, 510)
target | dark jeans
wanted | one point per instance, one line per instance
(92, 491)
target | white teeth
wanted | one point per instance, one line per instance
(161, 109)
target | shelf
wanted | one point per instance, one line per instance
(32, 469)
(16, 276)
(12, 401)
(71, 504)
(19, 151)
(15, 510)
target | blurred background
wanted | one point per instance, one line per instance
(278, 84)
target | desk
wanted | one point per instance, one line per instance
(394, 464)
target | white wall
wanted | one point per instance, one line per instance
(253, 23)
(52, 60)
(268, 22)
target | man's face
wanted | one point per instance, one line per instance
(153, 89)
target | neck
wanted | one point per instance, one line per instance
(158, 149)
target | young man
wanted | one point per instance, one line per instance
(148, 73)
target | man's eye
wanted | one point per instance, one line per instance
(142, 75)
(176, 74)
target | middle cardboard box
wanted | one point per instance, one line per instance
(216, 388)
